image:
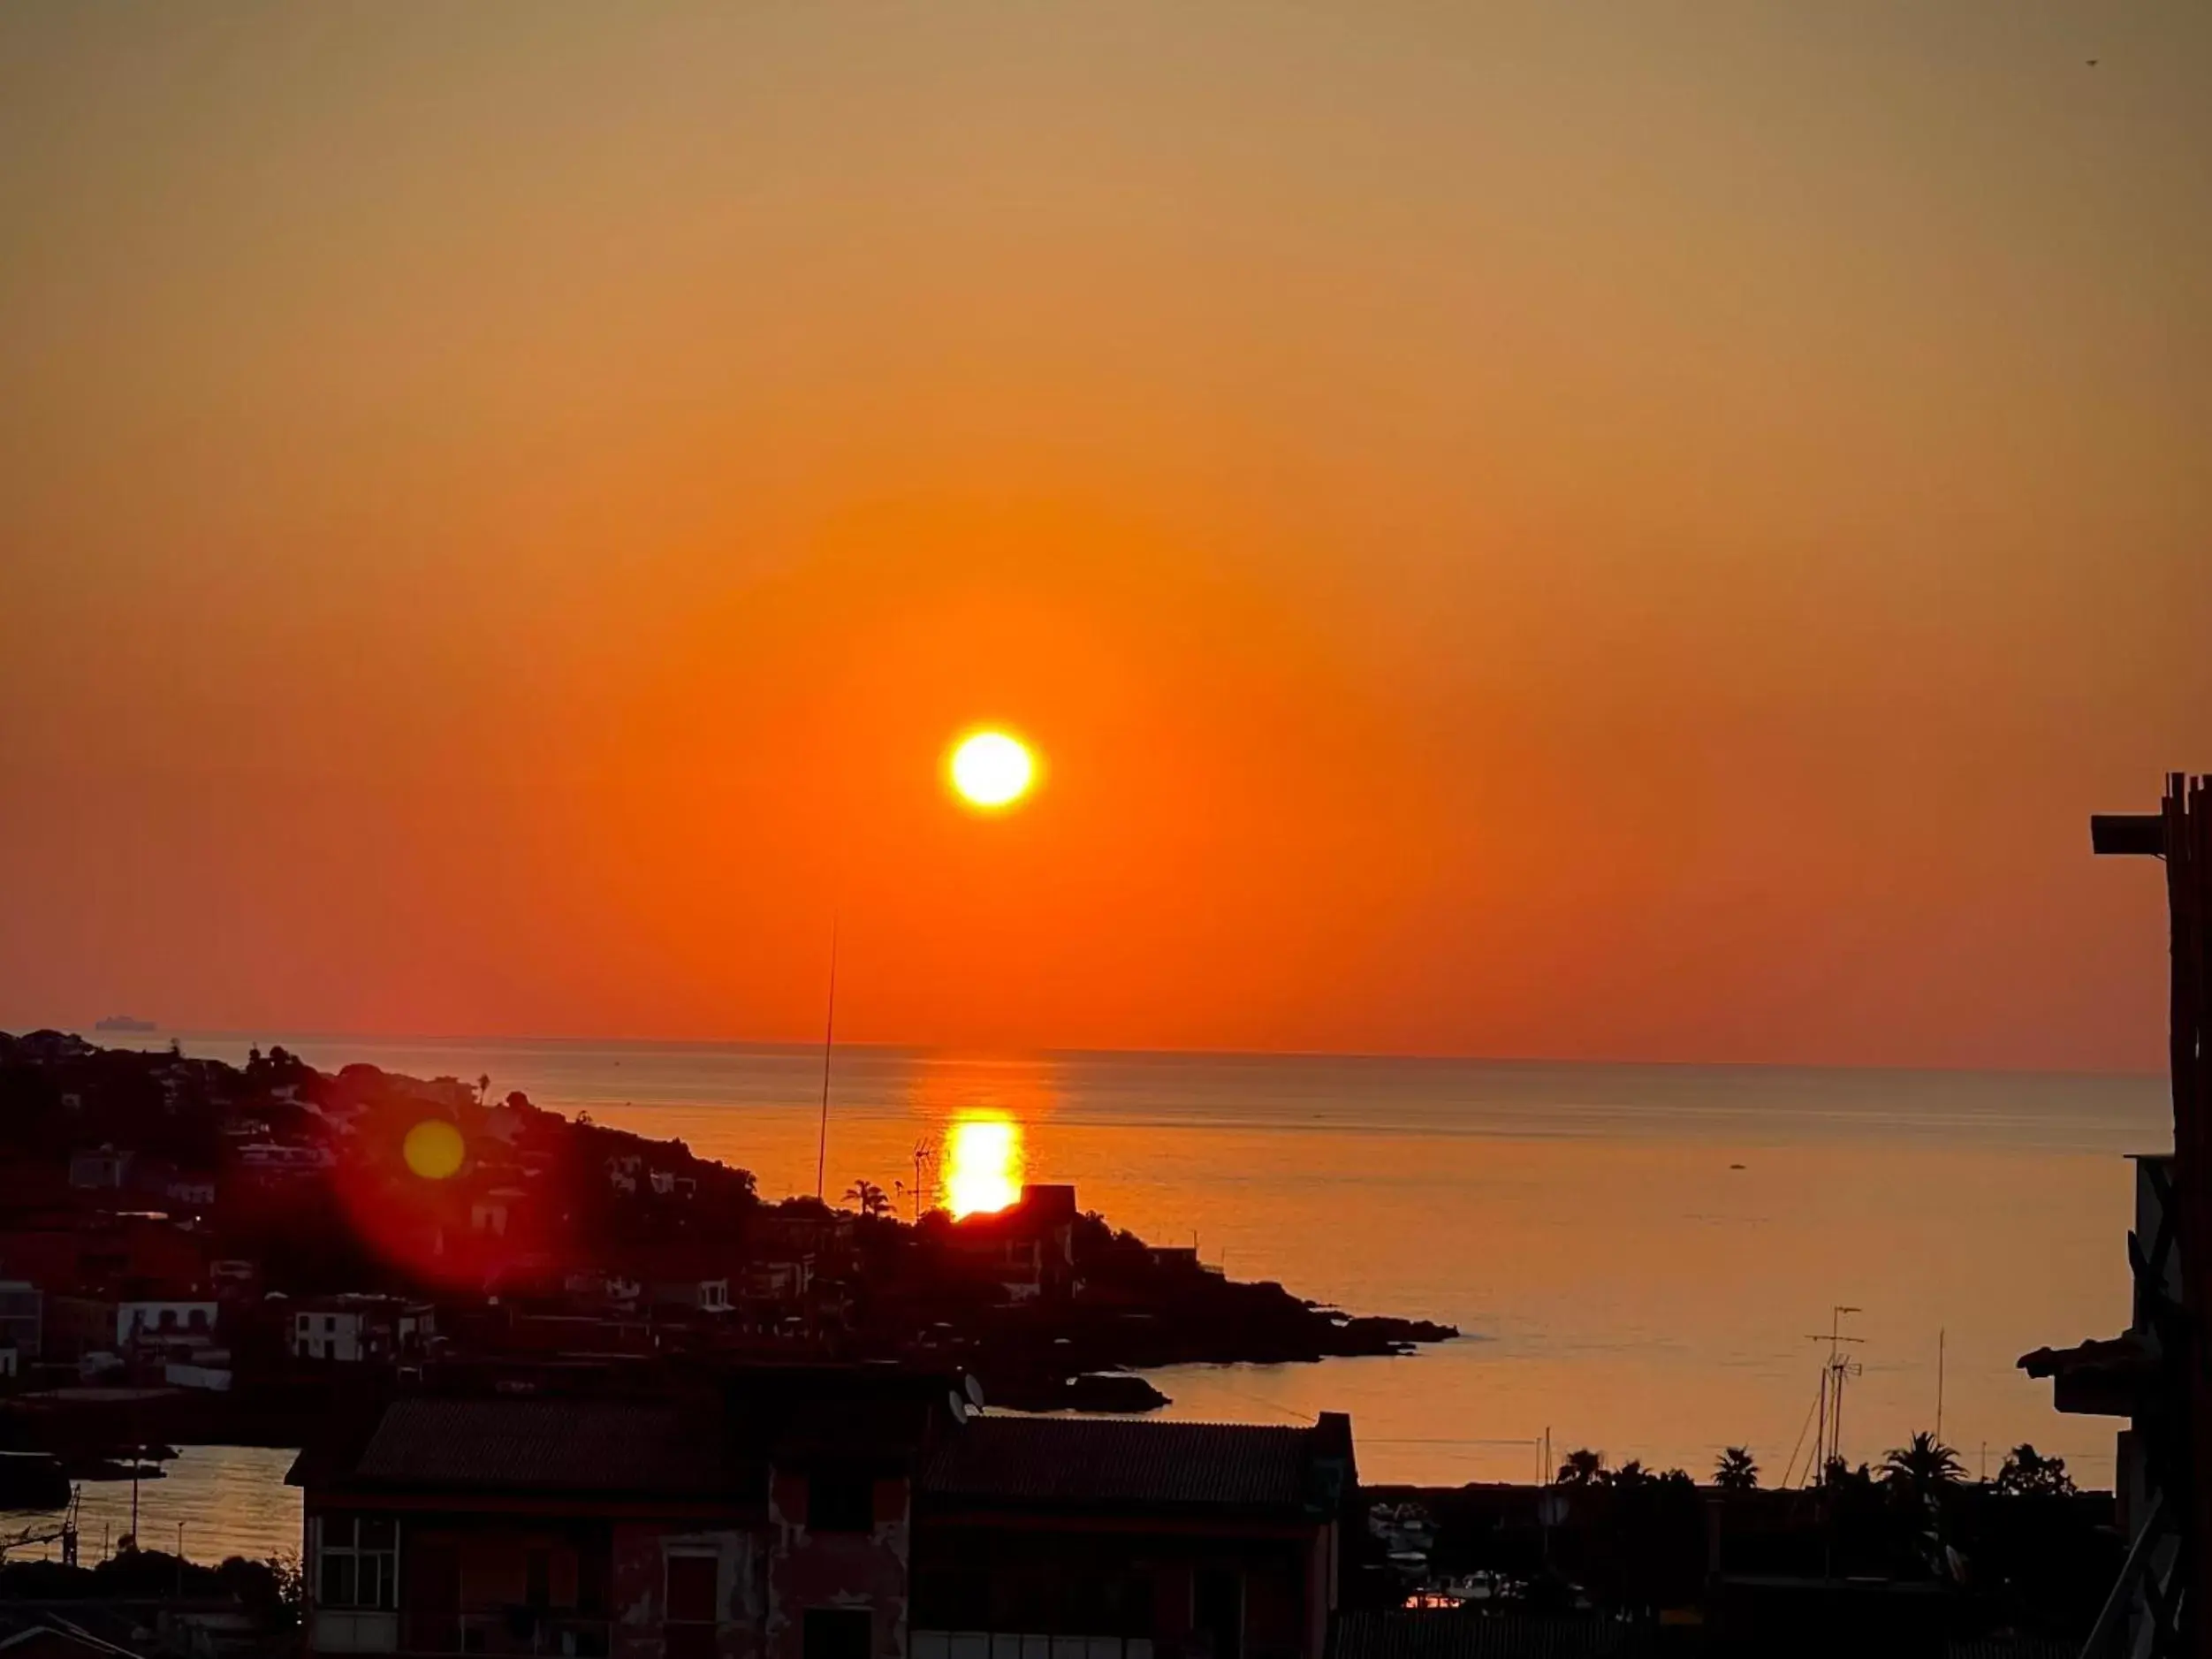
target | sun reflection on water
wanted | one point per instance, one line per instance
(982, 1164)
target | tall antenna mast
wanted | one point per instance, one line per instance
(924, 1154)
(1940, 1335)
(1838, 1366)
(829, 1033)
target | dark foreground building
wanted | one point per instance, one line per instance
(818, 1515)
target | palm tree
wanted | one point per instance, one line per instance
(1582, 1468)
(1922, 1468)
(1736, 1470)
(872, 1200)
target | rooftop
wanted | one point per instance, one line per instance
(1049, 1460)
(694, 1439)
(605, 1447)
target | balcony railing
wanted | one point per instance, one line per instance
(984, 1644)
(514, 1633)
(351, 1630)
(511, 1633)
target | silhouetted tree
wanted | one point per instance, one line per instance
(2028, 1473)
(872, 1200)
(1919, 1477)
(1582, 1467)
(1736, 1470)
(1923, 1467)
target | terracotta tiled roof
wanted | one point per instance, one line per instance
(596, 1446)
(1045, 1460)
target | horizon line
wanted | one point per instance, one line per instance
(1046, 1050)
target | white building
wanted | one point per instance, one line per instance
(351, 1330)
(163, 1324)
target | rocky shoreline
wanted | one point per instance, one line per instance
(552, 1238)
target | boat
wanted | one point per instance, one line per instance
(125, 1023)
(113, 1469)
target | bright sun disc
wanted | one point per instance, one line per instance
(992, 770)
(983, 1165)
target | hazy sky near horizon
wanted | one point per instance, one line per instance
(1601, 531)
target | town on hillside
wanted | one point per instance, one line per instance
(249, 1242)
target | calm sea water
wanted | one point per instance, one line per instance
(1623, 1283)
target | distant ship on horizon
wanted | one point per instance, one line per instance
(125, 1023)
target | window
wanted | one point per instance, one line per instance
(838, 1632)
(537, 1577)
(168, 1320)
(1217, 1610)
(198, 1319)
(359, 1562)
(841, 1501)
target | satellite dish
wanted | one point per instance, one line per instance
(958, 1406)
(975, 1391)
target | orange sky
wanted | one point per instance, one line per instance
(1520, 530)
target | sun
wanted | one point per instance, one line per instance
(983, 1165)
(992, 770)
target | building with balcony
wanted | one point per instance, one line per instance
(817, 1514)
(130, 1327)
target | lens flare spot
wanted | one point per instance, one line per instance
(434, 1149)
(992, 770)
(983, 1165)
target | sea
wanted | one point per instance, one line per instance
(1646, 1260)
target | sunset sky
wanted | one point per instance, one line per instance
(1591, 532)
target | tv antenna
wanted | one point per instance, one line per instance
(1837, 1369)
(925, 1154)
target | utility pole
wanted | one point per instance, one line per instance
(829, 1033)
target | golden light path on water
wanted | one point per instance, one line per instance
(982, 1164)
